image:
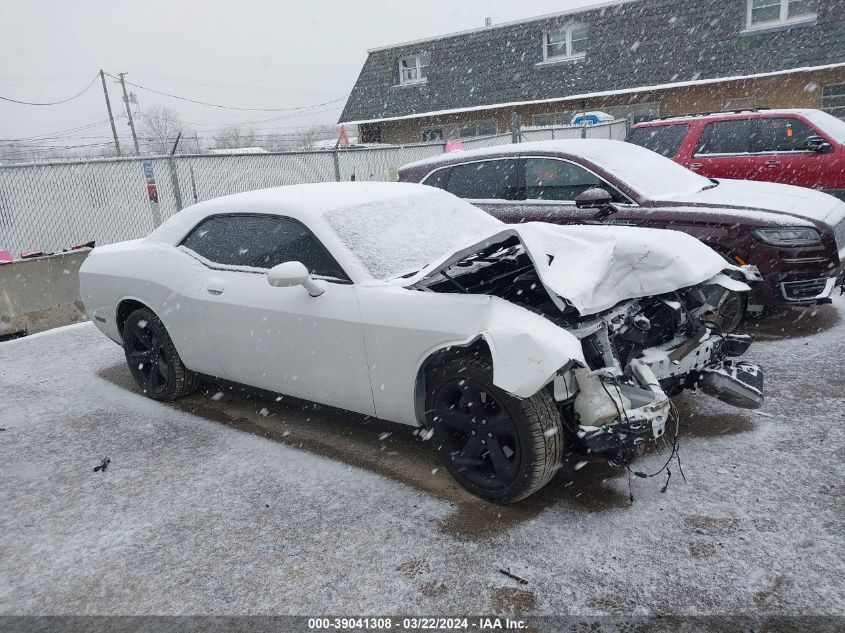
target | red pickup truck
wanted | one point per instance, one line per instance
(794, 147)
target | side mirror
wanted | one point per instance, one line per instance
(819, 145)
(293, 274)
(595, 198)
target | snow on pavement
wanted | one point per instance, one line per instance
(194, 516)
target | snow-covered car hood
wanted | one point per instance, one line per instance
(593, 268)
(769, 196)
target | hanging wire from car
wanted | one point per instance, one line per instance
(625, 456)
(675, 454)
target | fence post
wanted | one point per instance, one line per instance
(516, 128)
(336, 161)
(174, 180)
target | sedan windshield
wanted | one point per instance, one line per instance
(652, 175)
(395, 237)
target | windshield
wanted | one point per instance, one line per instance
(827, 123)
(394, 237)
(651, 174)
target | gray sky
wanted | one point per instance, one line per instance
(249, 53)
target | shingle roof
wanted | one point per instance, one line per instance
(631, 43)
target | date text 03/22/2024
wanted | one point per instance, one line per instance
(417, 624)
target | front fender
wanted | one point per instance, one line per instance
(527, 349)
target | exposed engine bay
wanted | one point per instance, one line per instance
(639, 353)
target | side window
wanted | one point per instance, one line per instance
(485, 180)
(439, 178)
(725, 137)
(261, 241)
(552, 179)
(664, 139)
(782, 134)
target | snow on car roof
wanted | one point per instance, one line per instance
(651, 174)
(581, 147)
(727, 114)
(372, 228)
(317, 198)
(306, 203)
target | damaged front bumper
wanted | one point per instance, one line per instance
(700, 361)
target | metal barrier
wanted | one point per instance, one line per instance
(51, 206)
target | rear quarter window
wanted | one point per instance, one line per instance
(664, 139)
(439, 178)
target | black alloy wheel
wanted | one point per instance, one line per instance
(477, 432)
(496, 445)
(152, 358)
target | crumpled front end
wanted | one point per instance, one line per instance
(613, 393)
(639, 355)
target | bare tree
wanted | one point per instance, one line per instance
(161, 125)
(234, 137)
(308, 138)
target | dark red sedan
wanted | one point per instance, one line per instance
(794, 236)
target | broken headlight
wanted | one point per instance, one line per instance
(788, 236)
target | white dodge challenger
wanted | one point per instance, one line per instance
(401, 301)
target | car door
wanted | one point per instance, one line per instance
(551, 186)
(280, 339)
(724, 151)
(782, 144)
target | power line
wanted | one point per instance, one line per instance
(228, 107)
(50, 136)
(51, 103)
(253, 122)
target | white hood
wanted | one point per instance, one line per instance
(592, 268)
(769, 196)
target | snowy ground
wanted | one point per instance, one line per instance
(247, 505)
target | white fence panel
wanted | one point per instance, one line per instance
(382, 163)
(51, 206)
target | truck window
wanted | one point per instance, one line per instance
(782, 134)
(664, 139)
(725, 137)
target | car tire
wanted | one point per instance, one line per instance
(469, 416)
(153, 360)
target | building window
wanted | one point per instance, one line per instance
(477, 128)
(833, 100)
(634, 113)
(766, 13)
(566, 43)
(552, 119)
(469, 129)
(414, 69)
(740, 103)
(432, 135)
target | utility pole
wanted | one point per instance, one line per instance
(111, 117)
(129, 112)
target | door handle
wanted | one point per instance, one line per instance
(695, 166)
(771, 164)
(215, 286)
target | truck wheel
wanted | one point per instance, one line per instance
(497, 446)
(152, 358)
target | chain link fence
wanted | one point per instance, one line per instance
(52, 206)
